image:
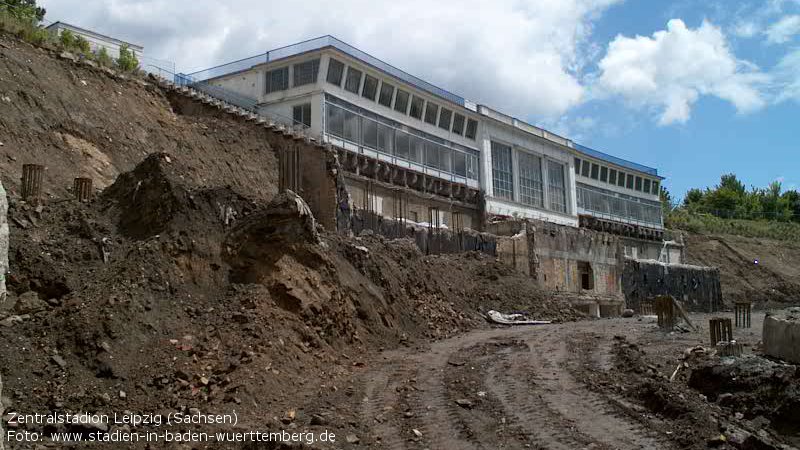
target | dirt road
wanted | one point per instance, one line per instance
(504, 388)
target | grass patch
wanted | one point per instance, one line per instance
(708, 224)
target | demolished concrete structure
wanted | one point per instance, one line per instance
(782, 335)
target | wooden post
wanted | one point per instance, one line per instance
(665, 309)
(32, 175)
(742, 311)
(83, 189)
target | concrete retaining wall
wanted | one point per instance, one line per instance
(697, 287)
(781, 336)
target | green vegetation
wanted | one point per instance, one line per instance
(67, 39)
(82, 45)
(729, 208)
(127, 61)
(102, 58)
(21, 18)
(22, 10)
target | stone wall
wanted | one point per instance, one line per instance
(697, 287)
(781, 336)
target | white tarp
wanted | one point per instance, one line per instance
(3, 242)
(514, 319)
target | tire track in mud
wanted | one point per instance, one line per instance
(380, 404)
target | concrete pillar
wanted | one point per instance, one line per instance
(3, 242)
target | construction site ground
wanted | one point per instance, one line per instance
(188, 284)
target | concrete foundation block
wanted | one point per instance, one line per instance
(781, 336)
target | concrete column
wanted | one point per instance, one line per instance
(3, 242)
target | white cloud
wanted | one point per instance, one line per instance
(787, 76)
(745, 29)
(524, 57)
(669, 71)
(783, 30)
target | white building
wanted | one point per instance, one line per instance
(97, 40)
(368, 107)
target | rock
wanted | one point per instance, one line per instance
(352, 439)
(465, 403)
(30, 303)
(416, 432)
(317, 419)
(10, 321)
(627, 313)
(59, 360)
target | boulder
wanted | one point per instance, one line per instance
(29, 303)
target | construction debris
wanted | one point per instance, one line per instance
(514, 319)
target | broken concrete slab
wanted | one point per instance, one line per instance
(781, 335)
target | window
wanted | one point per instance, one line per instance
(401, 101)
(385, 139)
(647, 185)
(306, 72)
(416, 107)
(655, 188)
(595, 171)
(369, 132)
(334, 123)
(335, 72)
(302, 114)
(472, 129)
(353, 82)
(577, 166)
(629, 182)
(639, 183)
(277, 80)
(502, 181)
(431, 111)
(585, 168)
(587, 275)
(604, 174)
(530, 180)
(556, 191)
(612, 176)
(370, 87)
(621, 179)
(458, 124)
(387, 91)
(444, 119)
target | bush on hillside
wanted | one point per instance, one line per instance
(127, 60)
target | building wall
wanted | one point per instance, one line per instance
(697, 287)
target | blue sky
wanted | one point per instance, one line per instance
(694, 88)
(760, 146)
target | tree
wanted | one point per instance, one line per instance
(23, 9)
(693, 198)
(127, 60)
(103, 58)
(666, 201)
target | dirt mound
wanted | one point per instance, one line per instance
(763, 271)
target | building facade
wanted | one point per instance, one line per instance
(455, 161)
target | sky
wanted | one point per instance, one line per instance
(695, 88)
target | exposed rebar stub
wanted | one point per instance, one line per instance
(83, 189)
(32, 175)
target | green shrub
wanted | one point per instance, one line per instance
(708, 224)
(127, 60)
(82, 45)
(67, 39)
(103, 58)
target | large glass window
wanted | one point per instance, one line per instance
(369, 132)
(385, 139)
(335, 72)
(577, 166)
(472, 129)
(556, 191)
(302, 114)
(612, 176)
(444, 119)
(647, 185)
(387, 91)
(277, 80)
(604, 174)
(401, 143)
(621, 179)
(352, 128)
(431, 111)
(595, 171)
(401, 101)
(334, 122)
(306, 72)
(585, 168)
(416, 107)
(530, 180)
(458, 124)
(370, 87)
(638, 185)
(629, 182)
(502, 178)
(655, 188)
(353, 82)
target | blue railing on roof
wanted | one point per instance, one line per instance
(613, 159)
(316, 44)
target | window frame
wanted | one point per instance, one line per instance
(471, 132)
(449, 113)
(308, 78)
(331, 63)
(431, 113)
(348, 78)
(502, 187)
(404, 94)
(461, 122)
(418, 104)
(268, 80)
(305, 113)
(381, 93)
(370, 85)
